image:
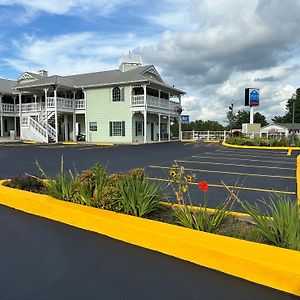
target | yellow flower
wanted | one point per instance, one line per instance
(184, 188)
(172, 173)
(189, 178)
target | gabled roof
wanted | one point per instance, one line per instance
(6, 86)
(98, 79)
(29, 75)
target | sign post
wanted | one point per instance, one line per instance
(251, 99)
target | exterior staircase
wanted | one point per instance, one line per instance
(41, 127)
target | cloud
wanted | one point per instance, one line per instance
(71, 53)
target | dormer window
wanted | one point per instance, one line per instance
(117, 94)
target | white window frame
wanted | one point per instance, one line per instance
(117, 128)
(116, 96)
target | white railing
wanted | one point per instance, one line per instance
(38, 127)
(31, 107)
(8, 108)
(204, 135)
(25, 121)
(65, 103)
(51, 131)
(80, 103)
(139, 100)
(50, 102)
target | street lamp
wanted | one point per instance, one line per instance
(294, 98)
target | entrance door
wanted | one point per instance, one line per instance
(152, 131)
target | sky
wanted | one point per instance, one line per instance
(211, 49)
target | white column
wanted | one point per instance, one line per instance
(46, 113)
(74, 118)
(20, 113)
(85, 118)
(56, 117)
(15, 118)
(169, 128)
(251, 114)
(159, 133)
(179, 121)
(1, 115)
(66, 127)
(145, 126)
(145, 96)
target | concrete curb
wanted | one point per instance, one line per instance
(261, 147)
(263, 264)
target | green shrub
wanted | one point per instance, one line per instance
(280, 225)
(200, 218)
(240, 141)
(138, 197)
(26, 182)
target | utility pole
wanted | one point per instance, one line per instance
(232, 116)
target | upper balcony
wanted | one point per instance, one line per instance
(164, 105)
(63, 104)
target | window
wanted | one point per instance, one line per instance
(117, 128)
(93, 126)
(116, 94)
(139, 128)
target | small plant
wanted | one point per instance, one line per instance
(26, 182)
(279, 222)
(138, 197)
(61, 186)
(182, 181)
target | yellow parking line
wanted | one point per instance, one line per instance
(245, 159)
(235, 165)
(226, 172)
(233, 187)
(246, 155)
(280, 152)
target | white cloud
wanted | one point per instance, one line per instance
(71, 53)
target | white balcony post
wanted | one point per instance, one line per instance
(169, 128)
(85, 118)
(74, 117)
(159, 133)
(169, 104)
(145, 96)
(56, 117)
(66, 127)
(46, 112)
(145, 126)
(179, 120)
(1, 120)
(15, 118)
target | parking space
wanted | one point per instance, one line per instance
(253, 174)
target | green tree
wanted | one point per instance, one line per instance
(288, 117)
(243, 116)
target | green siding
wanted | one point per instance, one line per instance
(102, 110)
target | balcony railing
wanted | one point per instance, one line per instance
(62, 103)
(139, 100)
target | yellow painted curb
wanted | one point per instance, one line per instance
(263, 264)
(29, 142)
(298, 178)
(260, 147)
(70, 143)
(210, 210)
(188, 141)
(105, 144)
(211, 141)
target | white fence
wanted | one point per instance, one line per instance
(204, 135)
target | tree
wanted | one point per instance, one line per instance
(243, 116)
(288, 117)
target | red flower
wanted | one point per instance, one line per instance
(203, 186)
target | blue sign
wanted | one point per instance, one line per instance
(253, 97)
(185, 119)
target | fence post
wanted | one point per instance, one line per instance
(208, 134)
(224, 135)
(193, 135)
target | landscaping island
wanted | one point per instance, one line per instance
(133, 194)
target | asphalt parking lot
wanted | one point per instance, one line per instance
(253, 173)
(43, 259)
